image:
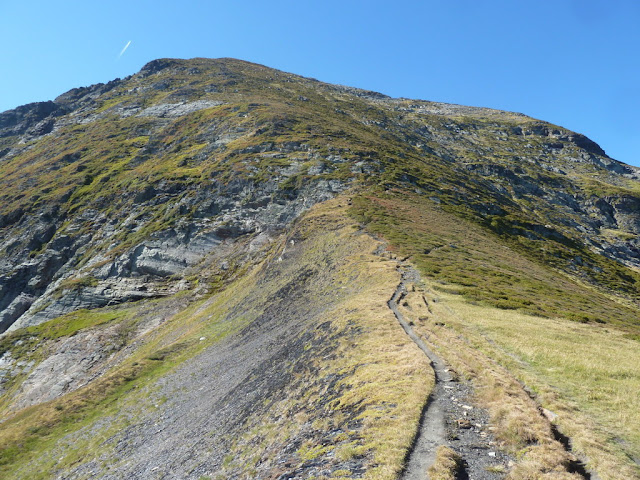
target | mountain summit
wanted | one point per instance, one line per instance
(214, 269)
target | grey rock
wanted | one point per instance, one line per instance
(174, 110)
(68, 367)
(33, 292)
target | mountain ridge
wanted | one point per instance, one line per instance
(224, 69)
(169, 189)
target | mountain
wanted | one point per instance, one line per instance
(214, 269)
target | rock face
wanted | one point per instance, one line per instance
(113, 192)
(72, 363)
(39, 271)
(44, 287)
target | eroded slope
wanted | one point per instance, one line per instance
(298, 366)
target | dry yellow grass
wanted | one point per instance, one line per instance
(519, 426)
(446, 465)
(390, 378)
(587, 376)
(393, 378)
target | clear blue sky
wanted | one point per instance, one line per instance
(575, 63)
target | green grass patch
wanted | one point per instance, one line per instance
(75, 321)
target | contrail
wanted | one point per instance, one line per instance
(125, 48)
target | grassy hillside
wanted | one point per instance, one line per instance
(202, 255)
(484, 267)
(506, 320)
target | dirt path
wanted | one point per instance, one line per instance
(432, 424)
(450, 418)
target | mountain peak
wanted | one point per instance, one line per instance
(250, 264)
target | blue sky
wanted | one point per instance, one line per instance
(575, 63)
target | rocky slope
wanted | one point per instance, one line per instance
(123, 205)
(110, 190)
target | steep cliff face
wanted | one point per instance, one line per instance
(147, 221)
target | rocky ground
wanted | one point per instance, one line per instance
(185, 423)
